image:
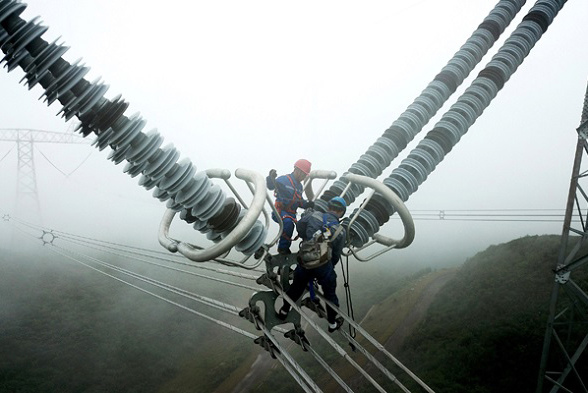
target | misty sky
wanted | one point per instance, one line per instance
(260, 84)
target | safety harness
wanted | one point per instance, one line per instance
(287, 207)
(290, 212)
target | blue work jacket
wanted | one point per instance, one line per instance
(288, 193)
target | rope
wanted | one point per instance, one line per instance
(348, 300)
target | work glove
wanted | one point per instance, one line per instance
(273, 174)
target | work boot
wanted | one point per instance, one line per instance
(282, 314)
(336, 325)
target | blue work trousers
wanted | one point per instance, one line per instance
(327, 279)
(289, 223)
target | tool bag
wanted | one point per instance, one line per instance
(317, 251)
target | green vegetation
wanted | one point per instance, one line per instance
(484, 331)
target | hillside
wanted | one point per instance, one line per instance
(484, 331)
(478, 328)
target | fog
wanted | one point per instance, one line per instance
(260, 85)
(66, 330)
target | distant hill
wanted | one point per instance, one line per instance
(484, 331)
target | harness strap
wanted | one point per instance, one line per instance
(311, 289)
(280, 207)
(296, 194)
(284, 236)
(295, 198)
(326, 225)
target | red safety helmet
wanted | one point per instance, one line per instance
(303, 165)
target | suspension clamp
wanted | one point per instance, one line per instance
(299, 337)
(251, 314)
(268, 345)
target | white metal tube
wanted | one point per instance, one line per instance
(163, 237)
(396, 202)
(218, 173)
(192, 252)
(317, 174)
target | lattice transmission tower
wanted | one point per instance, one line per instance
(27, 196)
(562, 367)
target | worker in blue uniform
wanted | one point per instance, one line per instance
(288, 193)
(325, 274)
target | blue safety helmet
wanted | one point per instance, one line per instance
(338, 203)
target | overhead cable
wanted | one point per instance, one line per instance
(106, 249)
(376, 344)
(233, 310)
(216, 321)
(165, 256)
(222, 306)
(375, 361)
(52, 164)
(287, 361)
(330, 340)
(289, 358)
